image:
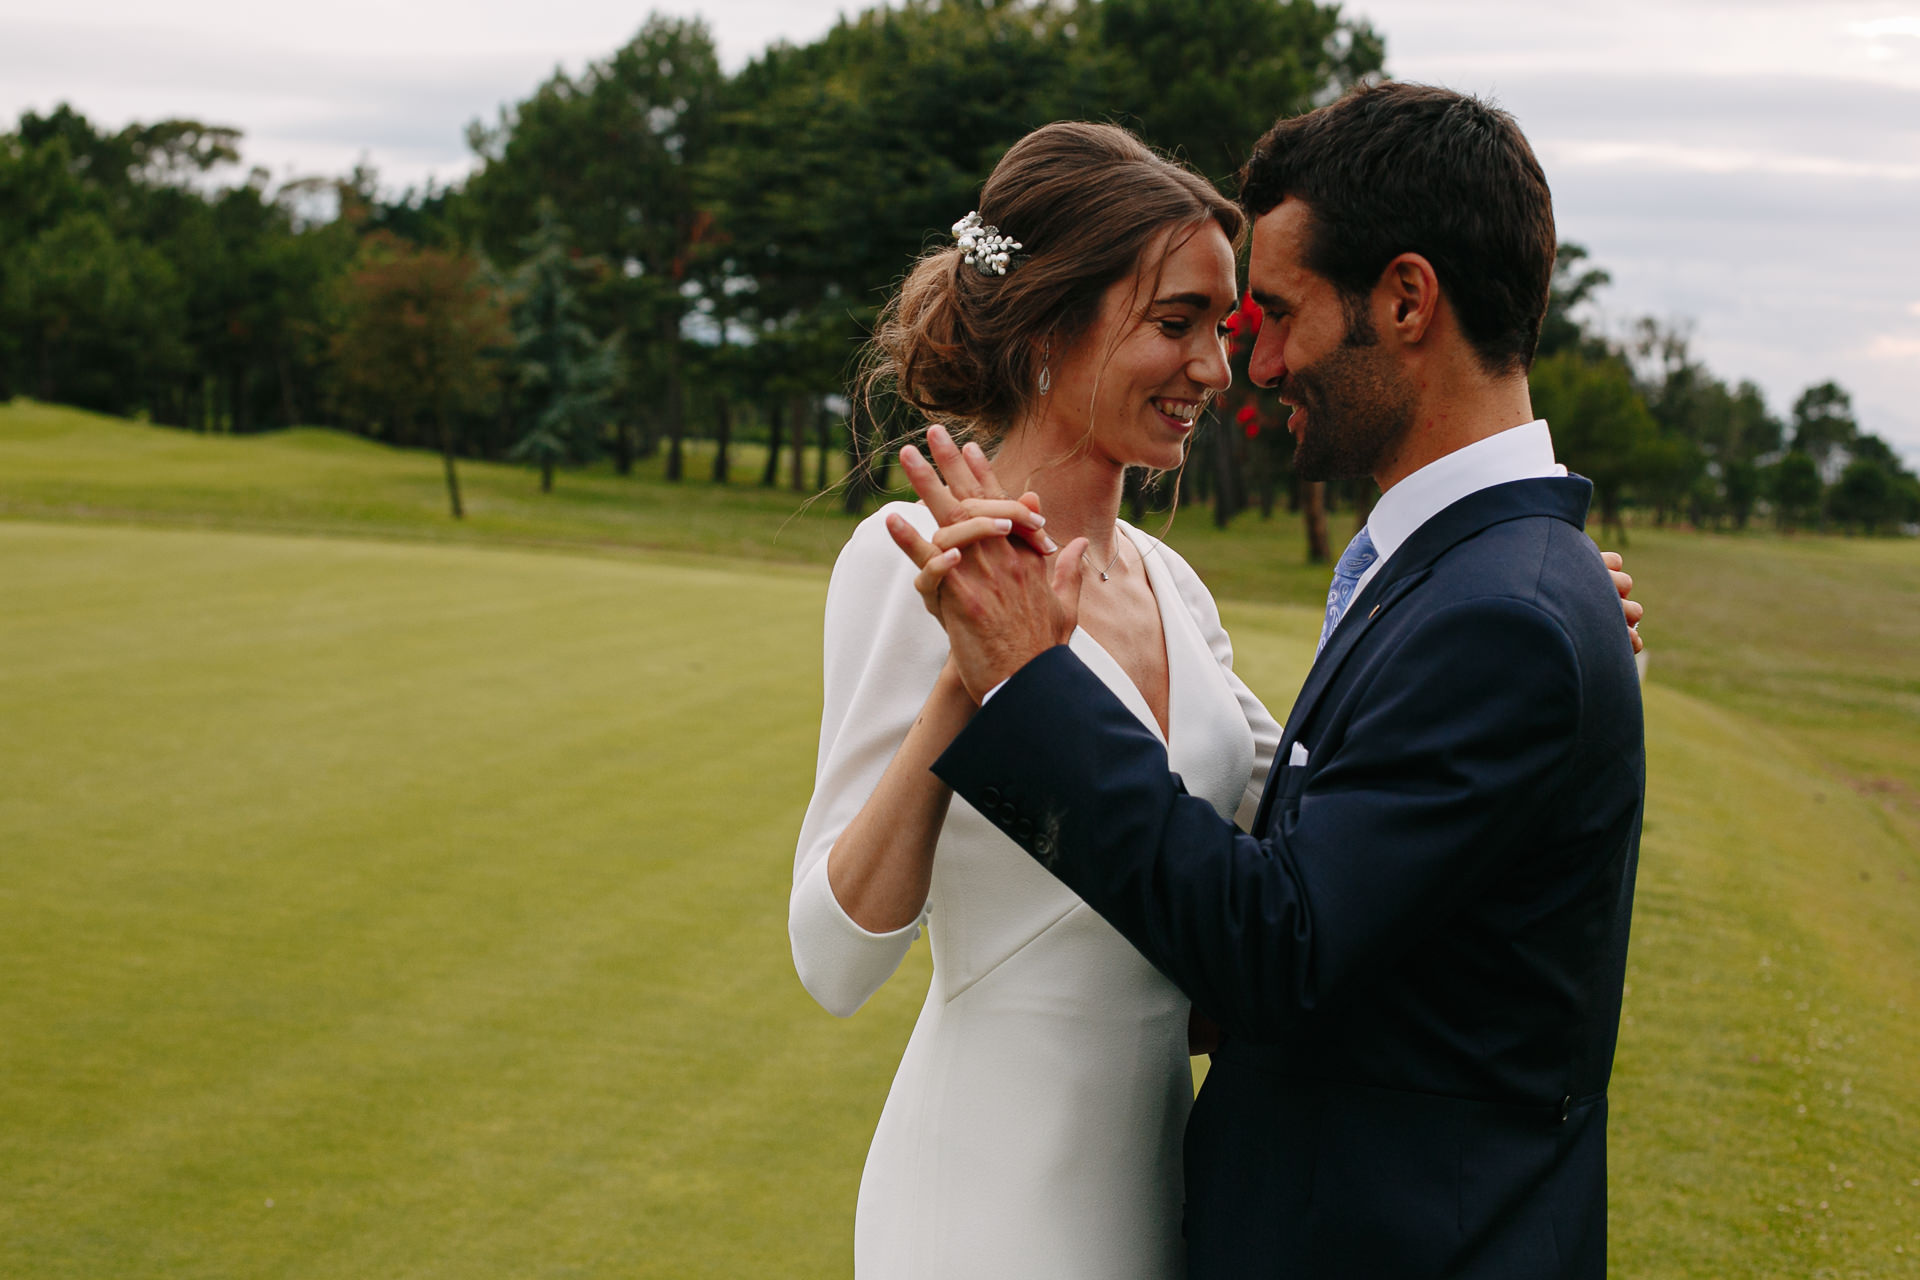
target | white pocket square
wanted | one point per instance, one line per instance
(1298, 755)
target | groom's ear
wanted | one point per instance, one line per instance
(1411, 292)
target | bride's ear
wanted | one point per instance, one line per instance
(1411, 290)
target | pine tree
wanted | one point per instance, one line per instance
(567, 374)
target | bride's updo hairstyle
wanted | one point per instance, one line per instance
(1085, 201)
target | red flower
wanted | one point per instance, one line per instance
(1243, 324)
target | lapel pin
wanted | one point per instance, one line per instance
(1376, 610)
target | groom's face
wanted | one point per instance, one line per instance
(1321, 352)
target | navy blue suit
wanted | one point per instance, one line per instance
(1417, 956)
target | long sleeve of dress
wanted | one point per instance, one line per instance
(883, 653)
(1266, 730)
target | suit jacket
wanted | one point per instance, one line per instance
(1418, 954)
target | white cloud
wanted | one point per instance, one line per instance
(1428, 41)
(1885, 27)
(1670, 155)
(1890, 346)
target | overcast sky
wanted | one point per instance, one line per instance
(1749, 166)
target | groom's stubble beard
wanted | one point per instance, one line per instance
(1358, 407)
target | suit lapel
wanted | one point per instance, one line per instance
(1375, 601)
(1566, 499)
(1381, 594)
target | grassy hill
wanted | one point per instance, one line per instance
(65, 464)
(413, 904)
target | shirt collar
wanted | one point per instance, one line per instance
(1518, 453)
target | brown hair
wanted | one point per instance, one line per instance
(1084, 201)
(1409, 168)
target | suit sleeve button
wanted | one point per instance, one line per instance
(989, 796)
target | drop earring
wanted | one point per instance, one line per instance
(1046, 370)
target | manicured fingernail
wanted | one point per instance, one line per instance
(1049, 544)
(1003, 526)
(951, 556)
(1037, 520)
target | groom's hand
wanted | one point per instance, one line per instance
(1002, 602)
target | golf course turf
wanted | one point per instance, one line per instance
(411, 902)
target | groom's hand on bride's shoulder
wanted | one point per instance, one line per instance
(1002, 599)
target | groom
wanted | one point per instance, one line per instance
(1417, 954)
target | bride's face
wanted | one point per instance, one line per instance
(1133, 386)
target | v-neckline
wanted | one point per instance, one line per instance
(1164, 733)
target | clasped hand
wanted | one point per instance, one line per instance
(1003, 600)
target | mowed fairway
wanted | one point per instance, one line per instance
(375, 911)
(388, 908)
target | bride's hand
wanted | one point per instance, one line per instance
(976, 520)
(1623, 583)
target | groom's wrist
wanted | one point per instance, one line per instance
(1000, 675)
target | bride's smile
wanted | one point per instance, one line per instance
(1134, 386)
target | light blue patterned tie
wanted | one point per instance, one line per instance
(1346, 576)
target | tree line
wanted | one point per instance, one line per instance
(653, 250)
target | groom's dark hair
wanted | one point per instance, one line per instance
(1399, 168)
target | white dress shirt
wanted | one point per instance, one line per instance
(1518, 453)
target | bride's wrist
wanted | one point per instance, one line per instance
(950, 686)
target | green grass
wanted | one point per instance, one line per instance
(58, 463)
(431, 883)
(1818, 637)
(65, 464)
(435, 895)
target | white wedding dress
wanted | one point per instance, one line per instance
(1034, 1126)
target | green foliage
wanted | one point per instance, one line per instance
(1741, 488)
(844, 159)
(419, 331)
(138, 287)
(100, 314)
(1601, 427)
(616, 151)
(619, 153)
(1865, 496)
(1713, 452)
(747, 227)
(1205, 78)
(1574, 284)
(1823, 427)
(1796, 488)
(566, 374)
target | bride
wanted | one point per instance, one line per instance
(1034, 1126)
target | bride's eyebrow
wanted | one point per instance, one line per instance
(1198, 301)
